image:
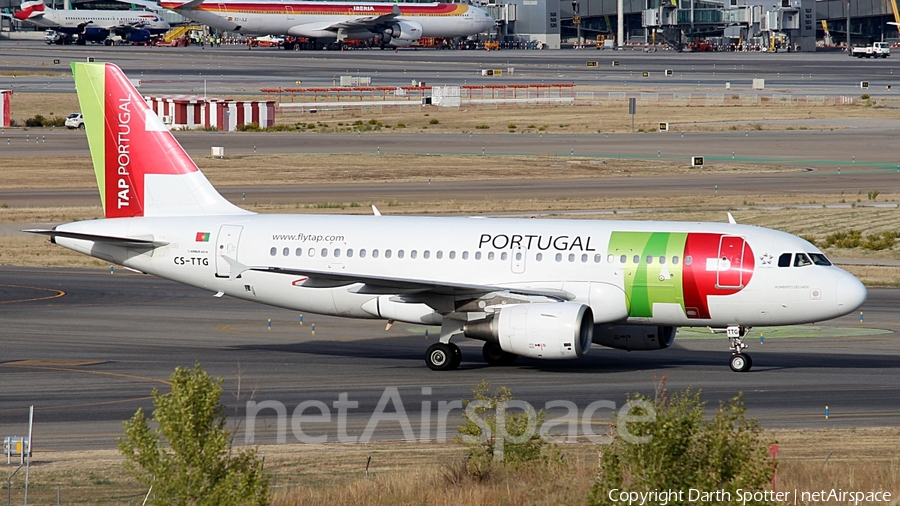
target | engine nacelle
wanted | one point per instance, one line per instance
(634, 337)
(549, 330)
(95, 34)
(141, 35)
(402, 33)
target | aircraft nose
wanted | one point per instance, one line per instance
(851, 294)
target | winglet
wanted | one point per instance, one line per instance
(375, 210)
(731, 219)
(396, 10)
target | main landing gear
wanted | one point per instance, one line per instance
(740, 362)
(443, 357)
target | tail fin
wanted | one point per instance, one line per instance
(30, 9)
(141, 169)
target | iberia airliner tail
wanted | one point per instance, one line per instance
(141, 169)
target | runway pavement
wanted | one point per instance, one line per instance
(87, 347)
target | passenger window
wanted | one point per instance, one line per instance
(584, 257)
(349, 253)
(675, 260)
(311, 252)
(452, 255)
(362, 253)
(662, 260)
(337, 252)
(597, 259)
(784, 260)
(477, 255)
(649, 259)
(611, 258)
(490, 255)
(559, 257)
(636, 259)
(374, 253)
(273, 251)
(413, 254)
(400, 253)
(687, 260)
(801, 260)
(286, 251)
(539, 257)
(623, 259)
(518, 256)
(503, 256)
(387, 253)
(324, 252)
(298, 252)
(465, 255)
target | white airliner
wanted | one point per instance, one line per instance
(398, 24)
(539, 288)
(93, 25)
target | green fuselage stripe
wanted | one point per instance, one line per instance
(658, 280)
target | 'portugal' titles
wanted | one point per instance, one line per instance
(540, 242)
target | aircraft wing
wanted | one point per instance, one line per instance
(147, 4)
(388, 285)
(364, 21)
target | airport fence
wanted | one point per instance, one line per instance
(700, 99)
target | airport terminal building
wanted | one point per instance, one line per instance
(698, 25)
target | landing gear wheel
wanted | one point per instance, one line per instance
(741, 362)
(494, 355)
(440, 357)
(457, 355)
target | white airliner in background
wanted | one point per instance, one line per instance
(93, 25)
(539, 288)
(397, 24)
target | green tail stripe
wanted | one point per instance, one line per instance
(90, 83)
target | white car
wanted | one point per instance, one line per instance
(74, 121)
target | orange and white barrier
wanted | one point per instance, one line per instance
(189, 111)
(4, 107)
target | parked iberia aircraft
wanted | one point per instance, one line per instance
(93, 25)
(539, 288)
(397, 24)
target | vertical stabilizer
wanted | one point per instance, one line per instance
(31, 9)
(141, 169)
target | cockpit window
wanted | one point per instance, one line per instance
(784, 260)
(801, 260)
(819, 259)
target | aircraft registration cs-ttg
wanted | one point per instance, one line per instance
(545, 289)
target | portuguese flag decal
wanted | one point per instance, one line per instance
(202, 237)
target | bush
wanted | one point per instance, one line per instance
(482, 127)
(489, 449)
(844, 239)
(35, 121)
(880, 241)
(249, 127)
(56, 121)
(726, 453)
(865, 96)
(433, 122)
(197, 465)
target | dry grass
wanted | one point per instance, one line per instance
(586, 117)
(413, 474)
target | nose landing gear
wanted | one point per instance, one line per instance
(740, 362)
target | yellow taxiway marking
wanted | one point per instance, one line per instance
(43, 365)
(56, 294)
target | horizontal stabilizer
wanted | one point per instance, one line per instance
(132, 242)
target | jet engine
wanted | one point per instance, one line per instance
(634, 337)
(401, 33)
(549, 330)
(91, 34)
(141, 35)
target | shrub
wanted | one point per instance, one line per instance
(35, 121)
(489, 449)
(511, 126)
(865, 96)
(726, 453)
(197, 465)
(880, 241)
(433, 122)
(249, 127)
(873, 194)
(401, 125)
(844, 239)
(482, 127)
(56, 121)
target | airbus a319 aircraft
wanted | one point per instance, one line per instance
(397, 24)
(538, 288)
(93, 25)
